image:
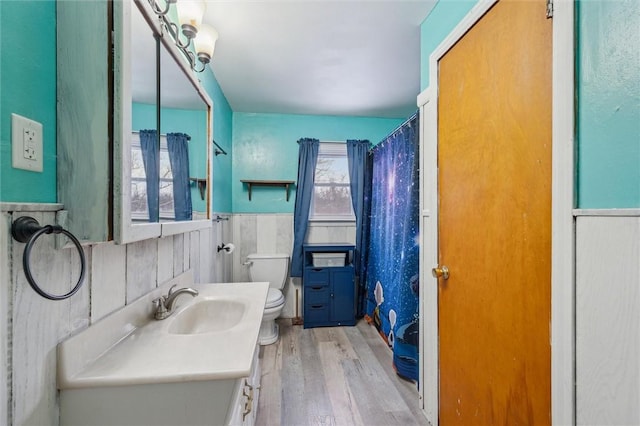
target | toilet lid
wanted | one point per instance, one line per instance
(274, 298)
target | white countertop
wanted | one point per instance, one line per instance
(130, 347)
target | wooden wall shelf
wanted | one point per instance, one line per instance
(284, 183)
(202, 185)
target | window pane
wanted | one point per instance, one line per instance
(332, 169)
(165, 165)
(137, 165)
(332, 201)
(332, 194)
(139, 208)
(166, 199)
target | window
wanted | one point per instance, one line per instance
(331, 194)
(139, 207)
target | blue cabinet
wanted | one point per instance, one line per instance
(329, 291)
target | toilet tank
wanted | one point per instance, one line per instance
(273, 268)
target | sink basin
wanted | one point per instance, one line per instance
(208, 316)
(130, 348)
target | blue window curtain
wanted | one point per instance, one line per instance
(150, 147)
(307, 159)
(178, 147)
(357, 153)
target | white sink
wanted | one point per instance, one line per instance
(208, 315)
(131, 347)
(130, 368)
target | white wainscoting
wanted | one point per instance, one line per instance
(5, 286)
(116, 274)
(608, 320)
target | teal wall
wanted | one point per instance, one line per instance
(28, 88)
(443, 18)
(143, 116)
(222, 133)
(608, 113)
(265, 148)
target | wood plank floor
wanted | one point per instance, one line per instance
(333, 376)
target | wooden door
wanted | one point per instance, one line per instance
(494, 178)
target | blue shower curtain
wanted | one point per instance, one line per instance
(357, 155)
(393, 261)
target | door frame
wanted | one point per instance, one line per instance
(563, 409)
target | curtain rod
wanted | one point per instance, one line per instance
(411, 117)
(219, 150)
(161, 134)
(396, 130)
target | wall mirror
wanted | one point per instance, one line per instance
(164, 131)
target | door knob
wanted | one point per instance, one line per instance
(442, 272)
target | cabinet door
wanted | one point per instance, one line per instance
(342, 295)
(83, 157)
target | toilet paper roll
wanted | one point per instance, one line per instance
(229, 248)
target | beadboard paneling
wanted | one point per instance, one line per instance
(142, 262)
(39, 324)
(5, 309)
(245, 234)
(178, 254)
(223, 261)
(194, 259)
(186, 251)
(608, 320)
(266, 233)
(165, 259)
(108, 279)
(284, 226)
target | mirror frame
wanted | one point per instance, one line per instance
(125, 230)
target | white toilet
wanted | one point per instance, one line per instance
(273, 268)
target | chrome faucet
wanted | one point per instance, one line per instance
(164, 304)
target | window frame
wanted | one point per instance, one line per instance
(331, 150)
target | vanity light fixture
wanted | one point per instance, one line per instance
(205, 43)
(190, 14)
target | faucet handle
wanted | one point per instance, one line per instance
(160, 307)
(172, 289)
(159, 303)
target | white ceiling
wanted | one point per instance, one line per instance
(318, 57)
(326, 57)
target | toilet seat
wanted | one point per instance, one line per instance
(274, 298)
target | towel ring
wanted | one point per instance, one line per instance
(26, 229)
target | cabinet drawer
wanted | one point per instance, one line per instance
(316, 312)
(316, 276)
(316, 293)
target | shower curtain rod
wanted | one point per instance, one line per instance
(411, 117)
(161, 134)
(405, 122)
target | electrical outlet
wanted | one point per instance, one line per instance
(26, 141)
